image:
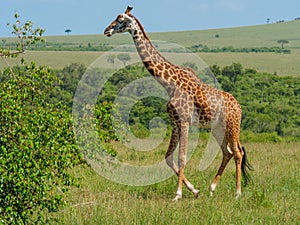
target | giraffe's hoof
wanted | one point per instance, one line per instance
(178, 197)
(212, 189)
(196, 193)
(238, 195)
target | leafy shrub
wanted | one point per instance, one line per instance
(37, 148)
(37, 145)
(140, 131)
(248, 136)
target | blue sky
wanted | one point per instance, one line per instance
(92, 16)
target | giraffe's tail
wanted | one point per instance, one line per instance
(245, 167)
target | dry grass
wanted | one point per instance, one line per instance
(282, 64)
(273, 198)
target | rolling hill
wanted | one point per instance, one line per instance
(250, 36)
(60, 51)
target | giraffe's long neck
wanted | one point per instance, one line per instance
(166, 73)
(149, 55)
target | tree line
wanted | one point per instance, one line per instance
(205, 48)
(270, 103)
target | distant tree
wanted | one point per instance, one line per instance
(268, 20)
(68, 31)
(111, 59)
(215, 69)
(279, 128)
(124, 57)
(282, 42)
(233, 71)
(217, 36)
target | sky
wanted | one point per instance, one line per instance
(92, 16)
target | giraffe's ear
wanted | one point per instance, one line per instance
(129, 8)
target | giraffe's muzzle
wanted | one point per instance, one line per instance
(108, 32)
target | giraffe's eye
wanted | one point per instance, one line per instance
(121, 21)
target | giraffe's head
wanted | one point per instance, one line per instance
(123, 23)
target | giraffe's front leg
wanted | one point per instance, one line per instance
(183, 142)
(176, 132)
(188, 184)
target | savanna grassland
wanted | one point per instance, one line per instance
(271, 198)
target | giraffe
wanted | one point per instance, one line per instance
(191, 101)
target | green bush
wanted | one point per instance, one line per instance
(248, 136)
(140, 131)
(37, 148)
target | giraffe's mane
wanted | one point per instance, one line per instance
(142, 28)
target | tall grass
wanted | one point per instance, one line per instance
(272, 198)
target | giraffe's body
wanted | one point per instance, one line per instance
(191, 102)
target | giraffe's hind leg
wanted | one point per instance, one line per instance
(238, 157)
(227, 155)
(229, 150)
(170, 162)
